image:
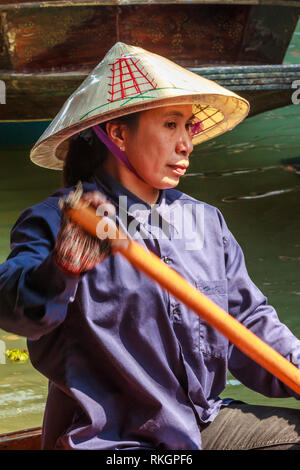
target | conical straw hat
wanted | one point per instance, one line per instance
(130, 79)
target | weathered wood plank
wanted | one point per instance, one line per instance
(28, 439)
(76, 38)
(46, 52)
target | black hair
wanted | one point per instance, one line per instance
(87, 152)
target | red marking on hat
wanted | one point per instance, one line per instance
(127, 79)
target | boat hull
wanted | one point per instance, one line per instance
(48, 47)
(28, 439)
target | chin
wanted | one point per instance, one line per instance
(164, 183)
(170, 183)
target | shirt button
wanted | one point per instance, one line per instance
(176, 314)
(166, 260)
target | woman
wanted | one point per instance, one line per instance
(130, 367)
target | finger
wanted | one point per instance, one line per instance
(95, 198)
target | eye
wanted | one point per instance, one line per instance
(171, 125)
(189, 126)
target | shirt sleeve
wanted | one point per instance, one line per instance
(34, 292)
(250, 307)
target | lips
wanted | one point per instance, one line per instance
(178, 169)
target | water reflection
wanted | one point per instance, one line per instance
(22, 397)
(289, 258)
(231, 172)
(291, 165)
(255, 195)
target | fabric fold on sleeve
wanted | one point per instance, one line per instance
(34, 291)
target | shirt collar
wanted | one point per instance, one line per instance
(132, 204)
(114, 190)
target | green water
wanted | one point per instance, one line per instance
(241, 173)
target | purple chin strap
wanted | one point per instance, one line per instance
(114, 149)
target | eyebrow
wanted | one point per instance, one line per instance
(178, 114)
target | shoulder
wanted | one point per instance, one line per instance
(173, 196)
(207, 215)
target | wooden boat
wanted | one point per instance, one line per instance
(48, 47)
(29, 439)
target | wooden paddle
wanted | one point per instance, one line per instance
(151, 265)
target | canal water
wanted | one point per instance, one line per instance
(252, 174)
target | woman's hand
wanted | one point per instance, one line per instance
(76, 251)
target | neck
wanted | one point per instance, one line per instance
(131, 182)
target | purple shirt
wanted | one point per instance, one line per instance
(129, 366)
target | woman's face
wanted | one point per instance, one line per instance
(159, 148)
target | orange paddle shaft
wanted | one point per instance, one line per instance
(173, 282)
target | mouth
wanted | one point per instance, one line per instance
(178, 169)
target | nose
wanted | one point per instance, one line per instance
(184, 145)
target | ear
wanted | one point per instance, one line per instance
(117, 133)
